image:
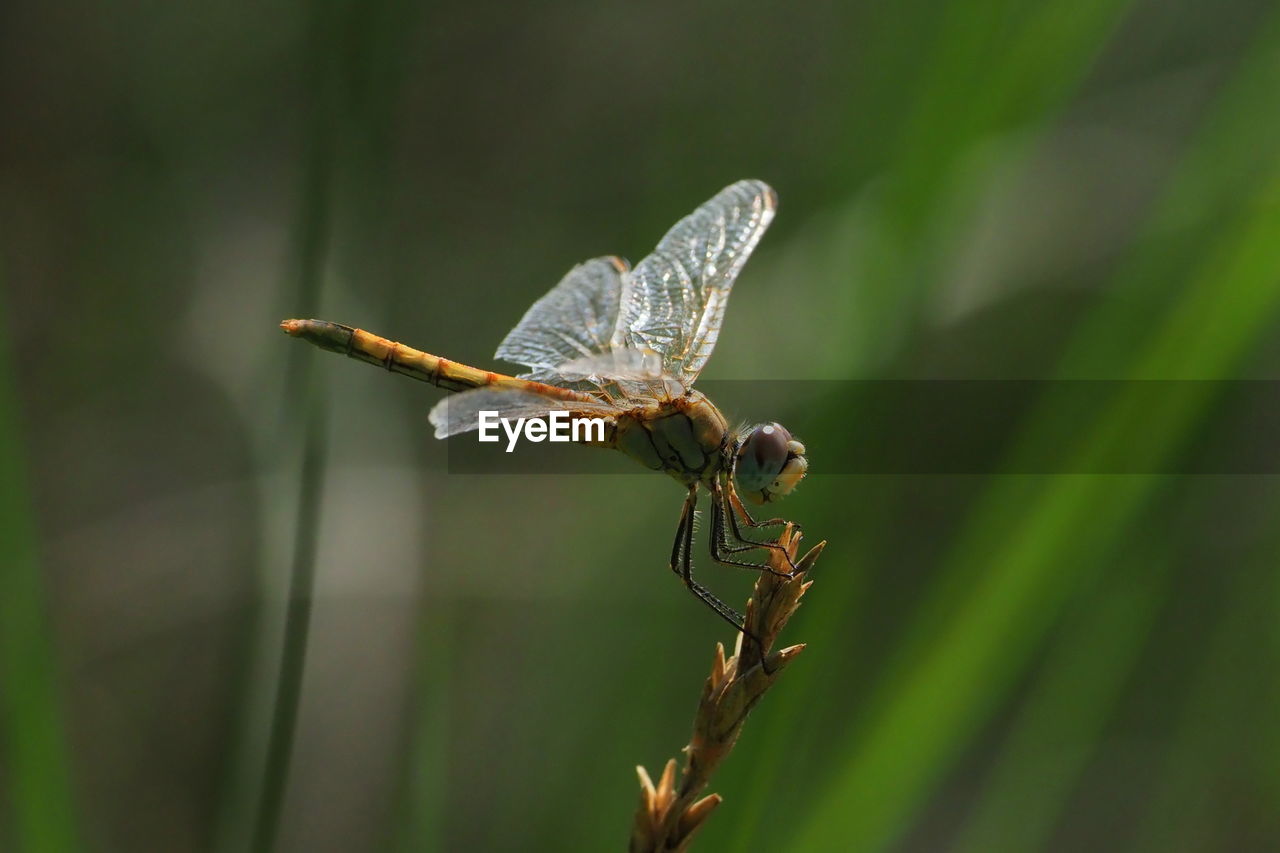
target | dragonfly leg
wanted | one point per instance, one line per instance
(682, 564)
(722, 549)
(741, 509)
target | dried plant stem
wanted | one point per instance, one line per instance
(669, 815)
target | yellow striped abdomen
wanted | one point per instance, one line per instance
(398, 358)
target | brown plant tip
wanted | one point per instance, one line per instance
(694, 816)
(648, 794)
(669, 815)
(719, 669)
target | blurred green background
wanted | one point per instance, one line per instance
(969, 189)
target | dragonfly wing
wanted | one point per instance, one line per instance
(459, 413)
(631, 364)
(674, 301)
(636, 375)
(574, 320)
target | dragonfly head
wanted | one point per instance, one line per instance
(768, 463)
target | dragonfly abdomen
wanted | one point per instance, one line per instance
(398, 358)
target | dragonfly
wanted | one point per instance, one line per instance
(625, 345)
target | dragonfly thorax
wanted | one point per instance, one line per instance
(685, 437)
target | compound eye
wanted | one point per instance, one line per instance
(761, 458)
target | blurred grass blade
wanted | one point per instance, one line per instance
(1056, 733)
(1224, 731)
(1233, 152)
(980, 80)
(293, 655)
(990, 70)
(1004, 584)
(306, 423)
(425, 786)
(37, 769)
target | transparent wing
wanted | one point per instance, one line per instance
(634, 375)
(614, 364)
(674, 300)
(574, 320)
(459, 413)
